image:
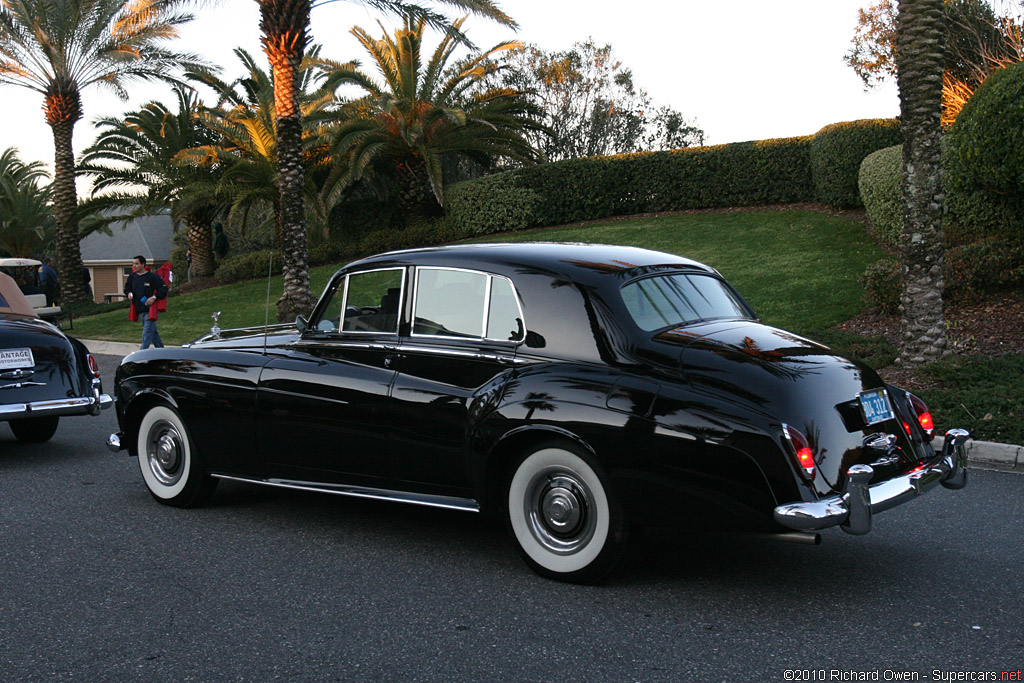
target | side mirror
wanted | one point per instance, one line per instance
(301, 322)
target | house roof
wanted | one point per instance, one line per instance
(151, 236)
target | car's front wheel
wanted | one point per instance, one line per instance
(35, 429)
(562, 517)
(173, 471)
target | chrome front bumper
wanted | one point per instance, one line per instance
(852, 510)
(84, 405)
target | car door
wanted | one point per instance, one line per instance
(460, 345)
(322, 407)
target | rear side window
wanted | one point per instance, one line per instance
(670, 300)
(463, 303)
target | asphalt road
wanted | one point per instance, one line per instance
(100, 583)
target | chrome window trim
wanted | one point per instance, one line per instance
(487, 306)
(344, 304)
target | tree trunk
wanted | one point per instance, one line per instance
(284, 24)
(200, 241)
(63, 109)
(919, 75)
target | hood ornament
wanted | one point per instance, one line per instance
(215, 330)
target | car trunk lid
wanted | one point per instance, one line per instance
(796, 381)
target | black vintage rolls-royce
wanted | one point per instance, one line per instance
(44, 374)
(577, 390)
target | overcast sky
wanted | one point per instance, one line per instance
(742, 69)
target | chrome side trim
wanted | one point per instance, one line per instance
(852, 511)
(60, 406)
(446, 502)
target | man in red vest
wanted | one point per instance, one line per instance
(144, 288)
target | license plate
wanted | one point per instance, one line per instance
(16, 358)
(875, 406)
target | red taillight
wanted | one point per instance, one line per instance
(924, 418)
(801, 450)
(94, 368)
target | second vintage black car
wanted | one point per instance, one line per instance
(44, 374)
(576, 390)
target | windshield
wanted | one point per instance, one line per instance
(671, 300)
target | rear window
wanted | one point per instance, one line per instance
(671, 300)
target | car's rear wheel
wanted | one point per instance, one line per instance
(562, 516)
(35, 429)
(171, 467)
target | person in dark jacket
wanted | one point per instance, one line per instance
(143, 289)
(48, 281)
(220, 241)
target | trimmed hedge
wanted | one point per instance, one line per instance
(879, 183)
(837, 152)
(809, 168)
(985, 142)
(972, 214)
(983, 160)
(738, 174)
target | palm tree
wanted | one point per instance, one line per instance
(919, 76)
(136, 157)
(285, 28)
(245, 145)
(25, 215)
(427, 113)
(60, 47)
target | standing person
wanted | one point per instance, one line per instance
(188, 257)
(143, 289)
(220, 241)
(86, 280)
(48, 281)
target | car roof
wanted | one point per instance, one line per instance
(575, 261)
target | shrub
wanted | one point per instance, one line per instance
(350, 221)
(986, 138)
(248, 266)
(984, 266)
(883, 285)
(983, 160)
(879, 184)
(836, 154)
(490, 204)
(738, 174)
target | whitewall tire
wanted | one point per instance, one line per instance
(562, 518)
(170, 466)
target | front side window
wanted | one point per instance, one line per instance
(462, 303)
(671, 300)
(364, 302)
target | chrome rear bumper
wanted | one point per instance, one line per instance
(852, 510)
(84, 405)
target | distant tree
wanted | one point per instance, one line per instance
(243, 145)
(26, 216)
(920, 39)
(60, 47)
(426, 111)
(977, 40)
(592, 105)
(133, 164)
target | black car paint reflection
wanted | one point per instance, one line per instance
(677, 424)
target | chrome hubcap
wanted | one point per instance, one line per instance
(559, 512)
(166, 453)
